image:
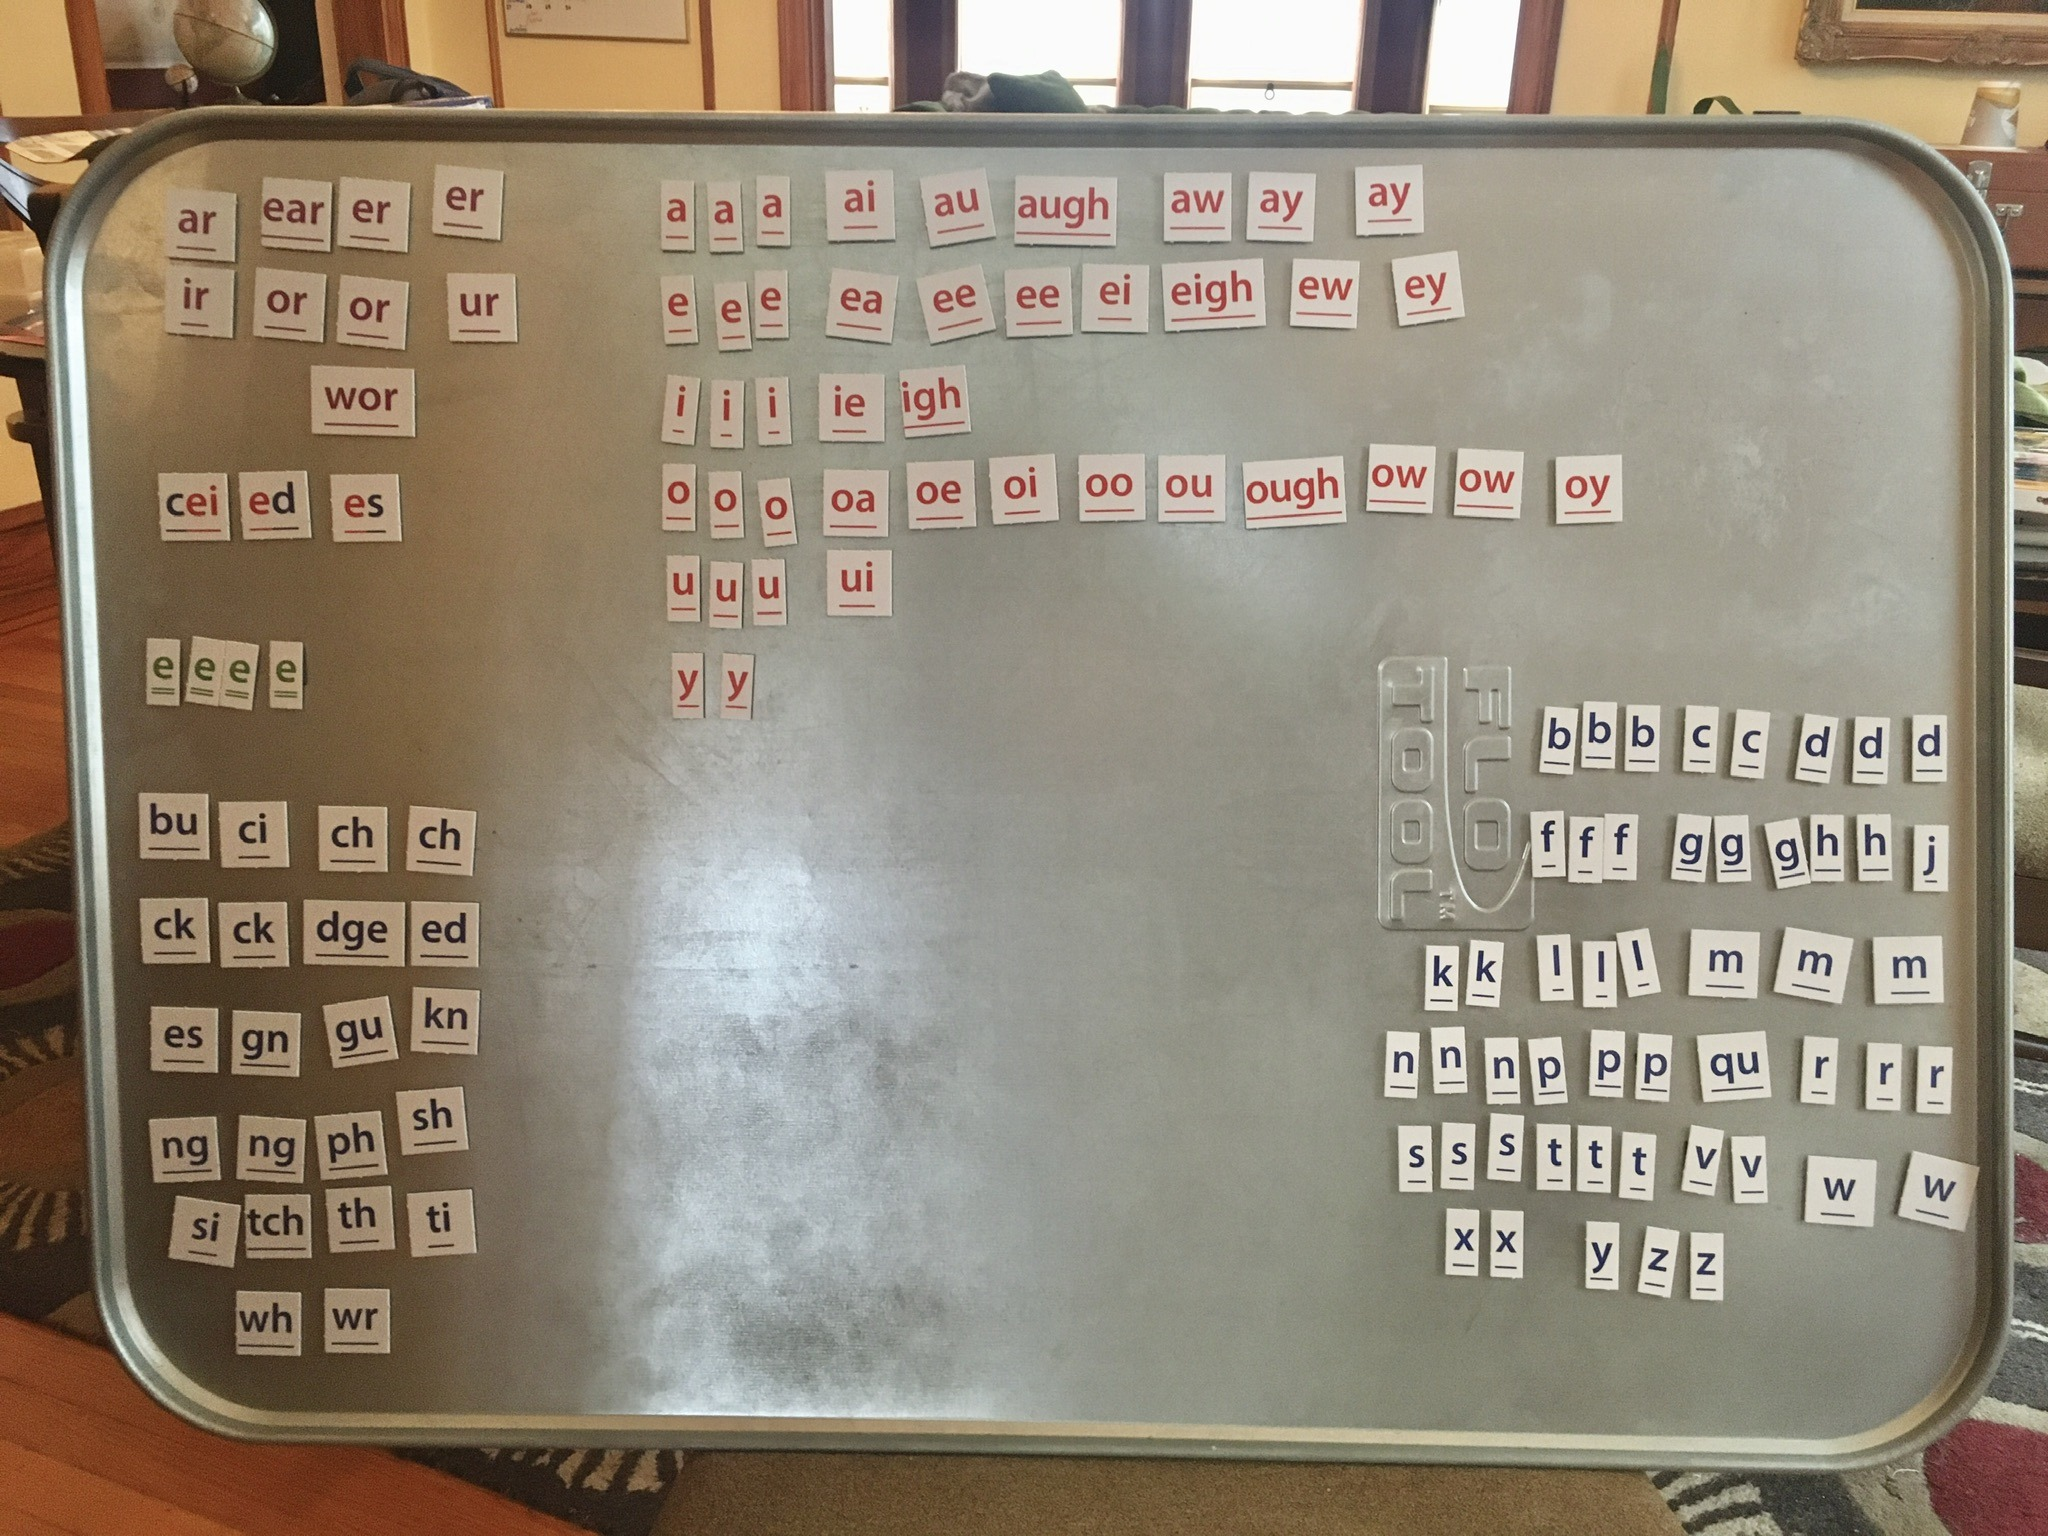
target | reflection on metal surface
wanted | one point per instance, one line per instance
(1449, 856)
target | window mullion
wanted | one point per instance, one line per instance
(1153, 60)
(1393, 55)
(925, 48)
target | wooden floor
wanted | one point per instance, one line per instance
(32, 780)
(31, 683)
(82, 1449)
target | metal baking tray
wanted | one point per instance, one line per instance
(981, 1047)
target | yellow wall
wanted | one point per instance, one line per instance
(36, 79)
(601, 73)
(747, 44)
(17, 466)
(448, 38)
(1743, 49)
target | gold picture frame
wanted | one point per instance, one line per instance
(1843, 31)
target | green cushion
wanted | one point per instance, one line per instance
(1048, 92)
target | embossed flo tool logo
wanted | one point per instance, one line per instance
(1448, 857)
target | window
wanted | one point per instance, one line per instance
(1257, 55)
(1471, 55)
(1274, 55)
(1079, 38)
(860, 55)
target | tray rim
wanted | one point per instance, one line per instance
(86, 207)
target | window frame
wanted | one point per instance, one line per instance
(1391, 71)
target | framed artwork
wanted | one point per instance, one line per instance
(1979, 33)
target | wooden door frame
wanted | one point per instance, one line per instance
(804, 32)
(88, 57)
(1537, 32)
(360, 29)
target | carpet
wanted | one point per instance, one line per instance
(798, 1494)
(1987, 1478)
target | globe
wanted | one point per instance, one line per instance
(230, 42)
